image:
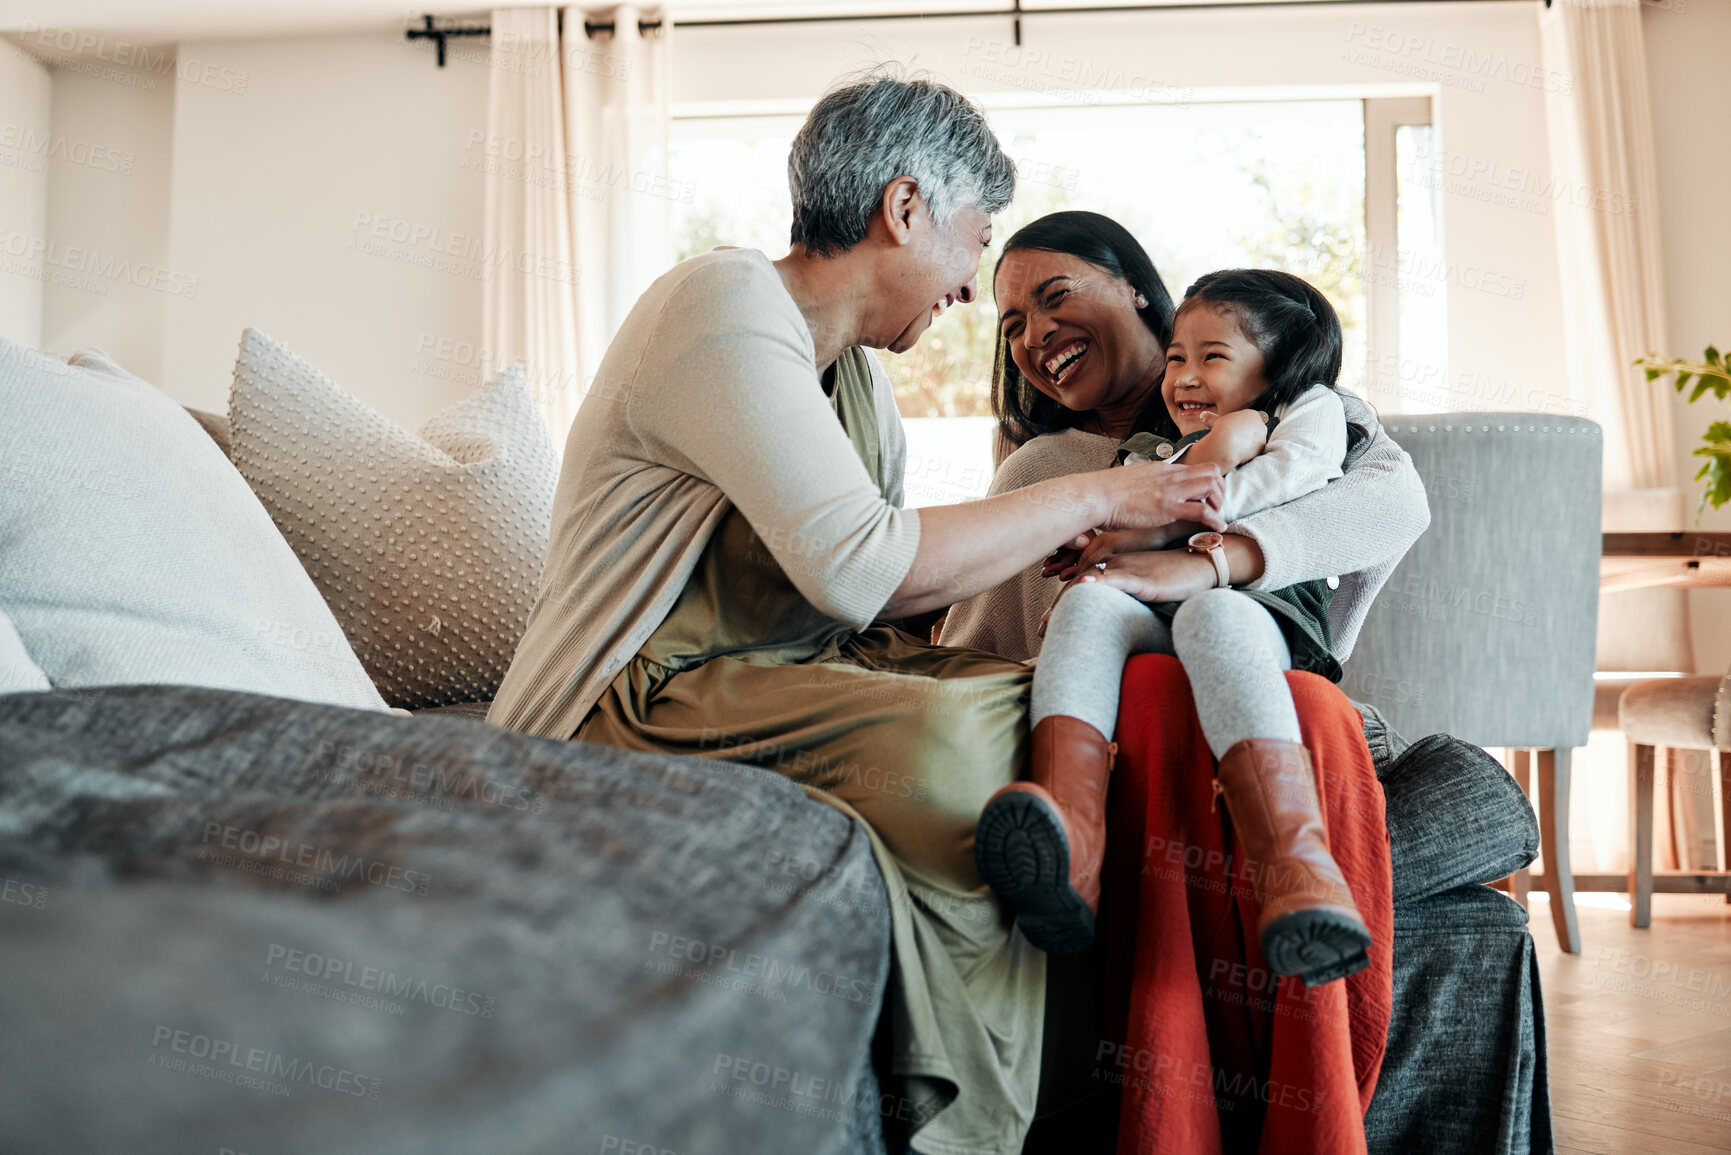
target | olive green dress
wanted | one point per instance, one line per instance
(911, 737)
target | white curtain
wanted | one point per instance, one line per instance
(578, 202)
(528, 297)
(616, 118)
(1601, 132)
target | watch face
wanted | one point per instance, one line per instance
(1206, 540)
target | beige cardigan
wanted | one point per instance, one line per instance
(707, 398)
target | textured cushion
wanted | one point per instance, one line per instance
(135, 553)
(427, 546)
(1674, 712)
(17, 671)
(1455, 817)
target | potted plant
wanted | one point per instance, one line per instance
(1711, 374)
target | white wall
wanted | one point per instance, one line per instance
(24, 131)
(1481, 62)
(108, 200)
(279, 167)
(1686, 42)
(278, 180)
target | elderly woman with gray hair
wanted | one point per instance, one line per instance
(730, 555)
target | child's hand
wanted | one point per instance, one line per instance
(1245, 429)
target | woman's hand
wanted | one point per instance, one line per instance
(1090, 549)
(1161, 575)
(1061, 562)
(1114, 542)
(1154, 494)
(1166, 575)
(1134, 511)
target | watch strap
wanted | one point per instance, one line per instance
(1222, 572)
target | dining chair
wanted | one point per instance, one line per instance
(1486, 628)
(1675, 714)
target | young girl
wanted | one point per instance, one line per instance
(1248, 386)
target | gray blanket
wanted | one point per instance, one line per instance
(243, 923)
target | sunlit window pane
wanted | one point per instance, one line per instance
(1423, 286)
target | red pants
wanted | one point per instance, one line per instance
(1215, 1053)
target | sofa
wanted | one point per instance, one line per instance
(248, 922)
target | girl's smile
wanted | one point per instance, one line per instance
(1212, 367)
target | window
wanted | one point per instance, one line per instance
(1407, 276)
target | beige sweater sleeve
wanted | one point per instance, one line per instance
(728, 394)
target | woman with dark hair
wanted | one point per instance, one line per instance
(1248, 388)
(1084, 322)
(1086, 326)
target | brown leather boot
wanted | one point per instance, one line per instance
(1040, 843)
(1309, 925)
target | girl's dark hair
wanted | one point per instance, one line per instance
(1291, 323)
(1023, 412)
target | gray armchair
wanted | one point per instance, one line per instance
(1486, 629)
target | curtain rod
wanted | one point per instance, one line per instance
(1014, 13)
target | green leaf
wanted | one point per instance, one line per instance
(1721, 484)
(1652, 373)
(1712, 355)
(1717, 471)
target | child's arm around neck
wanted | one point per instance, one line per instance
(1232, 440)
(1304, 453)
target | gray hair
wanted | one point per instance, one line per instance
(865, 134)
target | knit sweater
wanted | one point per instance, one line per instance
(1356, 528)
(708, 398)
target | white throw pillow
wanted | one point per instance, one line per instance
(18, 674)
(427, 546)
(135, 553)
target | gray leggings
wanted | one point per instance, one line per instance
(1233, 654)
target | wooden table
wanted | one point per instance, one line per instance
(1632, 561)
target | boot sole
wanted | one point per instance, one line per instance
(1022, 854)
(1318, 946)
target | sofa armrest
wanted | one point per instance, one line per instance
(1455, 818)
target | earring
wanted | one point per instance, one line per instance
(1141, 301)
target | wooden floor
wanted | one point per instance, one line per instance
(1639, 1027)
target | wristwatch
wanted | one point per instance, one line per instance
(1210, 543)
